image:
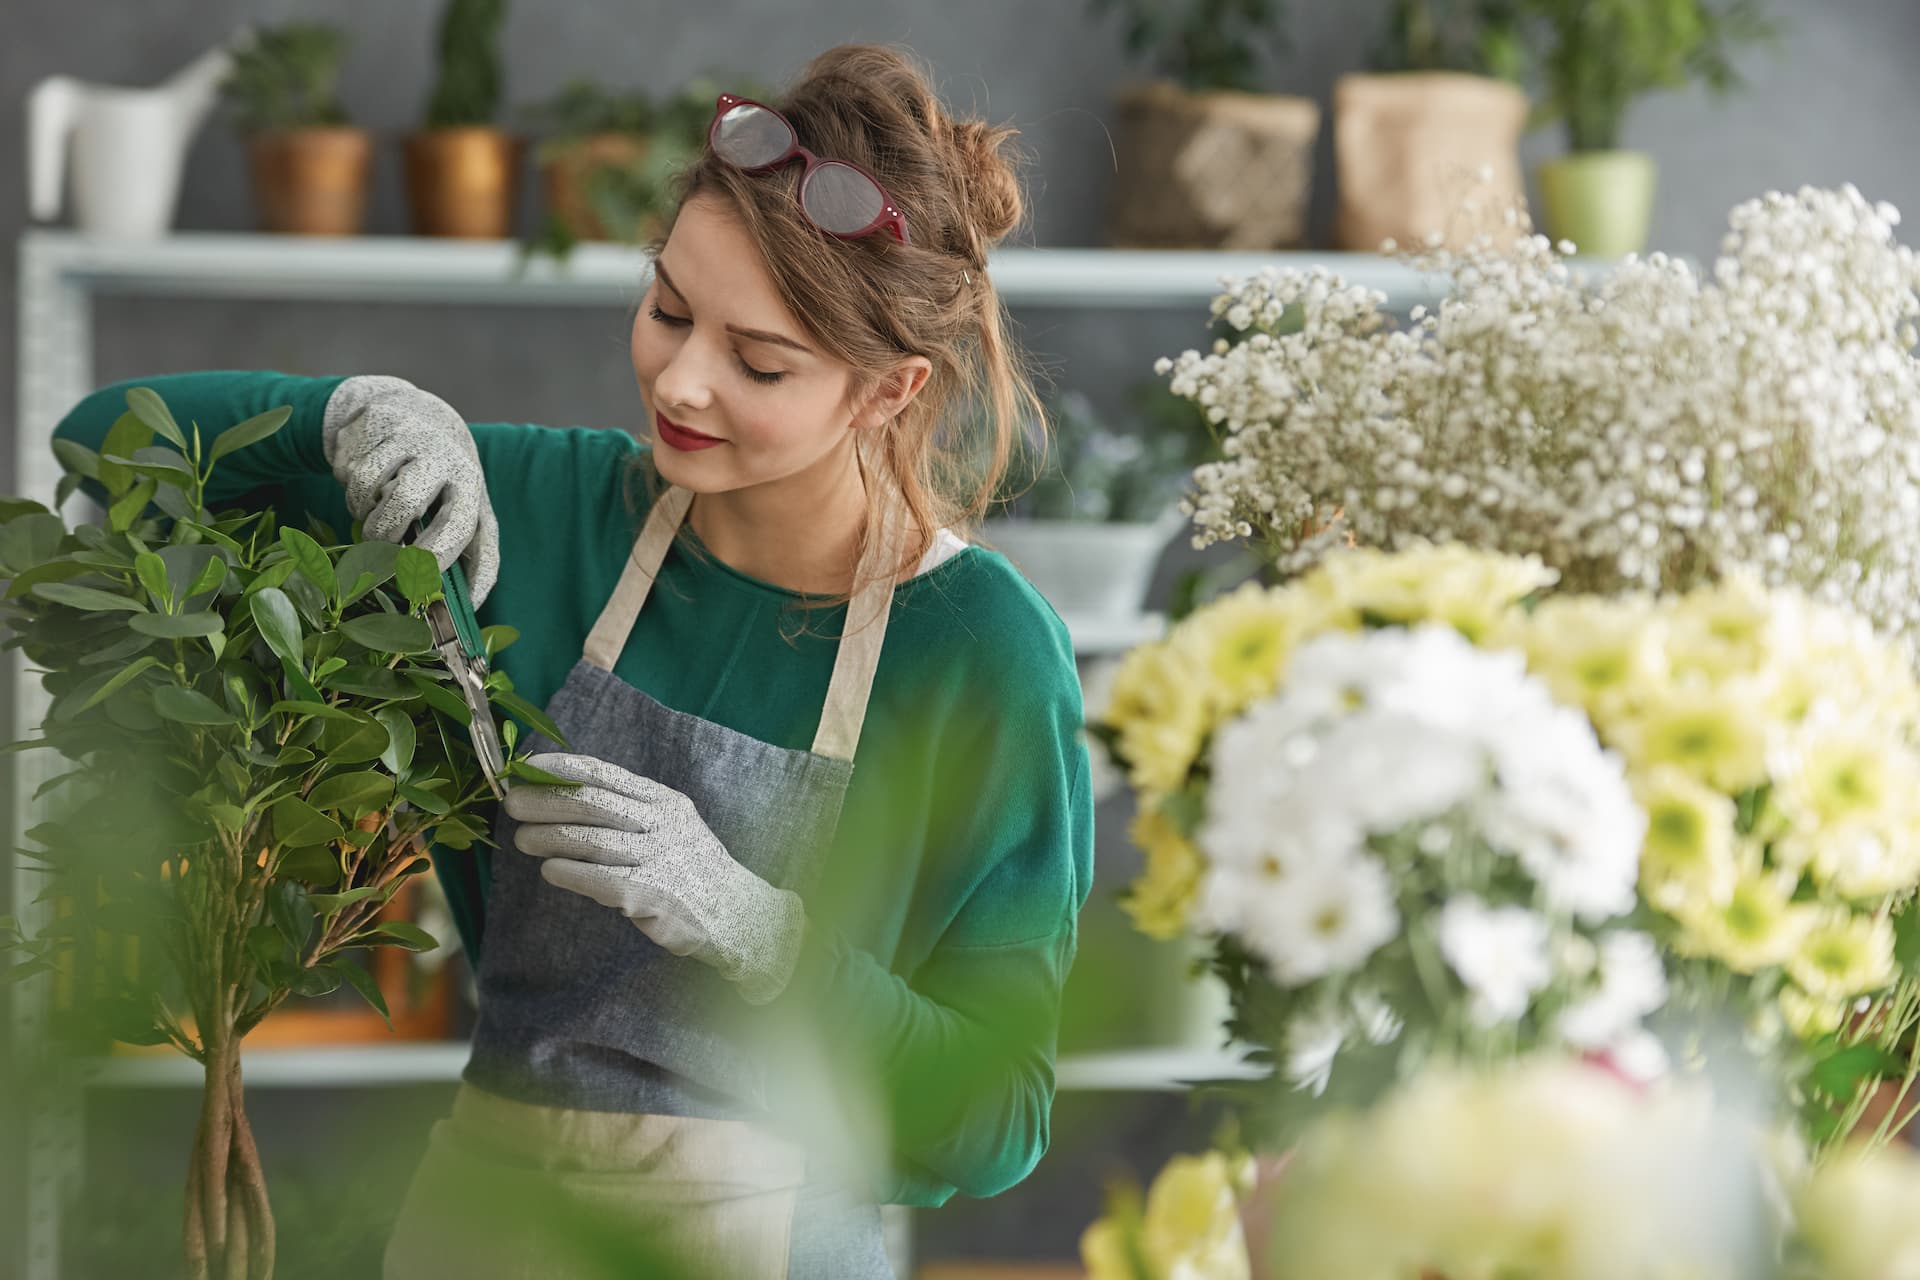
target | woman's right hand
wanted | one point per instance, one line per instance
(397, 450)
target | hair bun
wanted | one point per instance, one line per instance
(989, 186)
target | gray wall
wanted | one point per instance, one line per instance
(1832, 105)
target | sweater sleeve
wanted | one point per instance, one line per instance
(961, 1048)
(287, 471)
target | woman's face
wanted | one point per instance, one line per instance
(718, 357)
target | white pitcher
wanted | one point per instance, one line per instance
(129, 145)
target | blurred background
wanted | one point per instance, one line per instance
(1825, 101)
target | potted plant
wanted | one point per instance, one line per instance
(308, 164)
(1594, 58)
(463, 172)
(1087, 519)
(1206, 162)
(609, 161)
(260, 745)
(1428, 143)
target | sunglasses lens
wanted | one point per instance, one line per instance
(749, 137)
(841, 199)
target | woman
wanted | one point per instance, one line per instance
(733, 992)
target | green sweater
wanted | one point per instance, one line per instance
(965, 847)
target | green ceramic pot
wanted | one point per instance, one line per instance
(1600, 200)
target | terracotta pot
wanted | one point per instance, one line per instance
(1420, 152)
(565, 174)
(463, 182)
(1216, 170)
(310, 181)
(1600, 200)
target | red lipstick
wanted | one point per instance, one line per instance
(682, 438)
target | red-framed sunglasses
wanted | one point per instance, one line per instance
(837, 196)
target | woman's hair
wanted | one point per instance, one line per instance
(872, 300)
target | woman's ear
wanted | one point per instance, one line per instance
(894, 393)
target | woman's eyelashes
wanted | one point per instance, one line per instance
(762, 376)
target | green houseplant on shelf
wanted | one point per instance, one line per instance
(1206, 161)
(1087, 518)
(1594, 58)
(1429, 140)
(463, 170)
(258, 745)
(307, 162)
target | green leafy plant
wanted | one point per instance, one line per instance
(468, 89)
(582, 107)
(258, 742)
(1201, 44)
(1477, 36)
(1595, 57)
(286, 78)
(1093, 470)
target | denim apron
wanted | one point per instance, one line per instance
(622, 1103)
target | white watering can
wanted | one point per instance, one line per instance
(129, 145)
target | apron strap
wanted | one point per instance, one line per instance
(865, 630)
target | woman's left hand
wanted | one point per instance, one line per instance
(640, 847)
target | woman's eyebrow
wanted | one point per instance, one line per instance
(758, 335)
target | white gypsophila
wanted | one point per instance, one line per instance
(1500, 954)
(1650, 430)
(1633, 983)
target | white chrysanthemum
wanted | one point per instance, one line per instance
(1501, 955)
(1633, 983)
(1325, 917)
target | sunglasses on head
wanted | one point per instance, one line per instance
(837, 196)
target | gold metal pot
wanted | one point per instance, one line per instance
(463, 182)
(565, 173)
(310, 181)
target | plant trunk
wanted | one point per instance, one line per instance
(228, 1221)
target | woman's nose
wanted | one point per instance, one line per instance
(686, 380)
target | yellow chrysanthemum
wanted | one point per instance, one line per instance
(1239, 643)
(1595, 653)
(1160, 901)
(1688, 854)
(1840, 774)
(1809, 1018)
(1193, 1219)
(1709, 733)
(1159, 709)
(1471, 590)
(1757, 927)
(1732, 629)
(1844, 955)
(1104, 1253)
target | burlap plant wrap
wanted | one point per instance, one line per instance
(1418, 152)
(1213, 170)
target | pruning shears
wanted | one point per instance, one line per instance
(456, 634)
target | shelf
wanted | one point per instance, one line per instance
(440, 1062)
(211, 264)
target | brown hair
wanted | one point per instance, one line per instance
(873, 300)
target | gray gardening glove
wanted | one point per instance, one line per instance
(638, 846)
(396, 450)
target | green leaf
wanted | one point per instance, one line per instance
(279, 624)
(497, 637)
(316, 863)
(356, 743)
(152, 410)
(417, 574)
(357, 793)
(287, 905)
(126, 435)
(363, 982)
(178, 626)
(398, 757)
(295, 822)
(328, 903)
(29, 541)
(250, 432)
(423, 800)
(389, 632)
(119, 679)
(311, 558)
(1839, 1074)
(211, 578)
(519, 706)
(320, 980)
(364, 566)
(272, 576)
(530, 773)
(377, 683)
(124, 511)
(91, 599)
(298, 707)
(410, 936)
(442, 699)
(266, 945)
(189, 706)
(77, 459)
(152, 572)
